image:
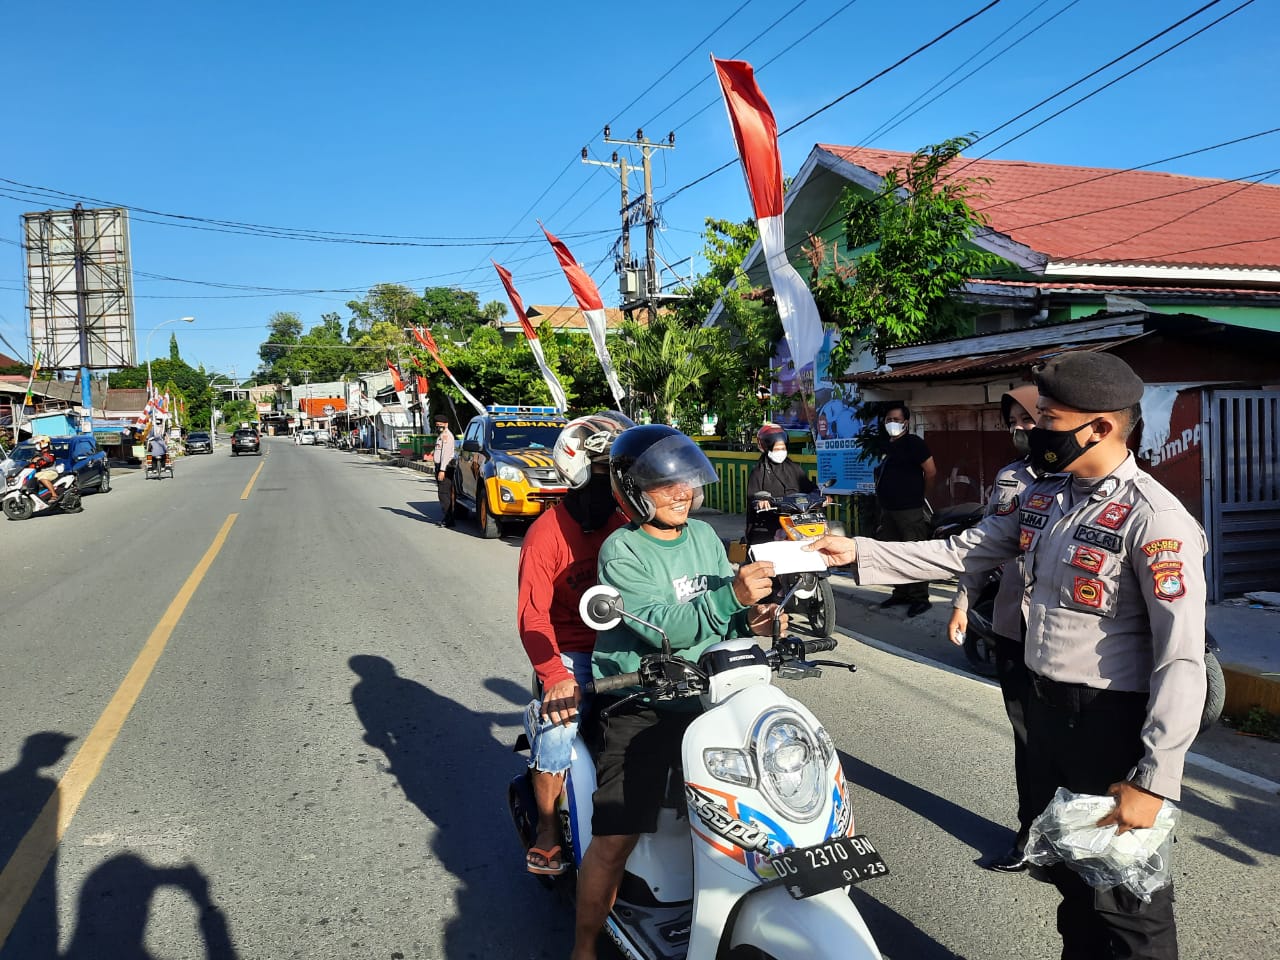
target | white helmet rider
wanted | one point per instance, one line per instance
(585, 441)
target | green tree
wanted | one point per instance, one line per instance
(666, 363)
(909, 252)
(174, 353)
(178, 378)
(391, 303)
(283, 329)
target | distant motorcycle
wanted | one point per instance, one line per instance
(25, 496)
(801, 516)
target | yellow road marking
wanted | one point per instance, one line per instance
(32, 854)
(245, 495)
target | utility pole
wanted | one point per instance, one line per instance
(651, 292)
(82, 319)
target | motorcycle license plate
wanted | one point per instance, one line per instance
(838, 862)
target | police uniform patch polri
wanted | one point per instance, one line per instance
(1165, 545)
(1169, 584)
(1086, 558)
(1098, 538)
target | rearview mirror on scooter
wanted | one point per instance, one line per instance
(601, 609)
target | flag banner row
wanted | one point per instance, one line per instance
(558, 396)
(424, 337)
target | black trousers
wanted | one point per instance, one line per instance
(1015, 688)
(903, 526)
(1086, 747)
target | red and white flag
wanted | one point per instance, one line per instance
(756, 134)
(424, 337)
(592, 307)
(397, 381)
(553, 382)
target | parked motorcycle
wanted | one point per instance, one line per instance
(25, 496)
(801, 517)
(757, 858)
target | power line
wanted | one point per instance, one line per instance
(848, 93)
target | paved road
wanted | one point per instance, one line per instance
(321, 747)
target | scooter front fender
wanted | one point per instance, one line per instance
(825, 927)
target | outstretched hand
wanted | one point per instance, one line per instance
(837, 551)
(753, 582)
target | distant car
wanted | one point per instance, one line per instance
(78, 454)
(306, 436)
(246, 440)
(199, 443)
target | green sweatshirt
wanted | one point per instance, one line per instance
(684, 586)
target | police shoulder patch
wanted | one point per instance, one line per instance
(1007, 507)
(1169, 584)
(1114, 514)
(1163, 545)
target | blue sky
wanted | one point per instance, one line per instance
(406, 119)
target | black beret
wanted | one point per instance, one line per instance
(1089, 381)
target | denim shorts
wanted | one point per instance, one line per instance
(551, 744)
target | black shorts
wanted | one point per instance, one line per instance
(634, 750)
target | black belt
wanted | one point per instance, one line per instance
(1078, 696)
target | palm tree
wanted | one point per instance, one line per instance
(666, 362)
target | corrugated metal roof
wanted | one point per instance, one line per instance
(977, 364)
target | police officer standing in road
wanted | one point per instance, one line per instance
(1115, 628)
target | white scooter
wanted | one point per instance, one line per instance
(756, 859)
(24, 496)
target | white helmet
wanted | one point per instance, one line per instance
(585, 441)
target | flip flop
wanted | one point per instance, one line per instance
(550, 866)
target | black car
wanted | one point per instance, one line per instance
(78, 454)
(199, 443)
(246, 440)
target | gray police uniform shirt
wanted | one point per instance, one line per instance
(1115, 595)
(1008, 609)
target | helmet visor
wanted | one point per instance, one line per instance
(672, 460)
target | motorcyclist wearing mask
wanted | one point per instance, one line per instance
(773, 473)
(1114, 575)
(557, 563)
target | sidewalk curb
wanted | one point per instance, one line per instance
(1194, 759)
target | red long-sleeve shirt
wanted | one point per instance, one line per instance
(557, 564)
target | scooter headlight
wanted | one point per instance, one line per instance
(791, 762)
(729, 765)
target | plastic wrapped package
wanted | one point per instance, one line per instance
(1067, 832)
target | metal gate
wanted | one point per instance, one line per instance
(1242, 490)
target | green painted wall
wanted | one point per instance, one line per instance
(1256, 318)
(730, 494)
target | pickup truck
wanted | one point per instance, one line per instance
(502, 469)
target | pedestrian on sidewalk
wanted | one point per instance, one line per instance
(903, 484)
(1008, 622)
(1114, 574)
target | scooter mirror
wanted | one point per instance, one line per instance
(601, 607)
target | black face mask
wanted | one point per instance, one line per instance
(1052, 451)
(592, 506)
(1021, 442)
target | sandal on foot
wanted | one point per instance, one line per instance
(545, 863)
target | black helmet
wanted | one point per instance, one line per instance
(655, 455)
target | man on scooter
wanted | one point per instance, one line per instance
(671, 571)
(557, 563)
(42, 463)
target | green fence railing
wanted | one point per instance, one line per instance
(730, 494)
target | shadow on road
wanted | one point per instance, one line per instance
(115, 901)
(418, 512)
(449, 764)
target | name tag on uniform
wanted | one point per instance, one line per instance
(1098, 538)
(1029, 519)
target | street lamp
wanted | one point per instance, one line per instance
(162, 323)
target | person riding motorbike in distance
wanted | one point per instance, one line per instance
(774, 473)
(671, 571)
(557, 563)
(43, 465)
(158, 450)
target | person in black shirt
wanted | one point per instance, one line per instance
(773, 473)
(904, 482)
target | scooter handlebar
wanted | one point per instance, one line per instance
(820, 646)
(620, 681)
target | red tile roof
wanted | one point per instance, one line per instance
(1097, 215)
(566, 318)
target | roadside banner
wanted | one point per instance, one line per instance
(424, 337)
(592, 307)
(756, 133)
(29, 400)
(397, 381)
(553, 382)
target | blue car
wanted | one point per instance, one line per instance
(78, 454)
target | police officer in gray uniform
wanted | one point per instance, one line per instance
(1115, 601)
(1018, 413)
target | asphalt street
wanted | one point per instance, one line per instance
(270, 714)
